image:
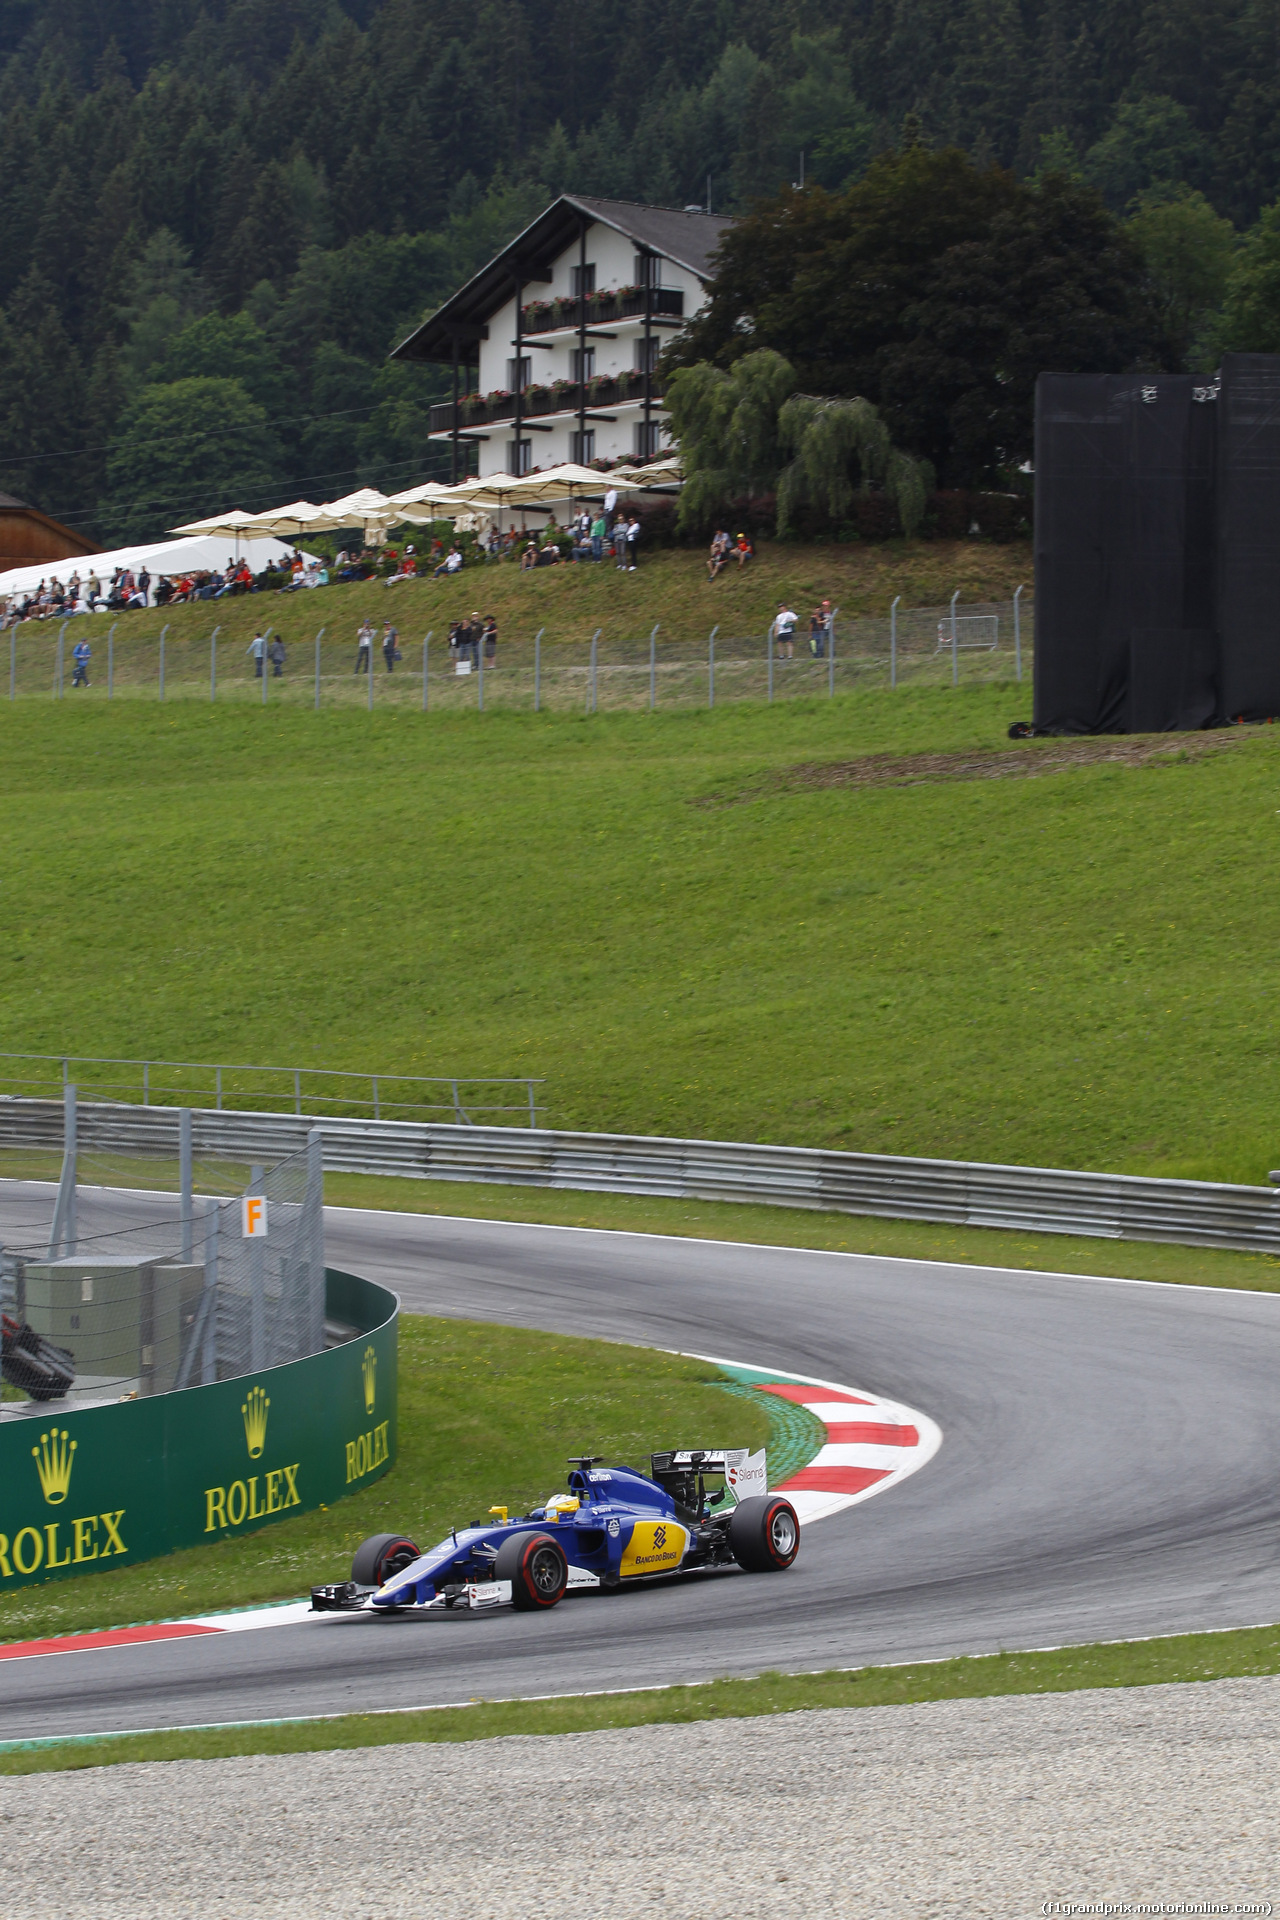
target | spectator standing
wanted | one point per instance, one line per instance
(490, 641)
(276, 655)
(80, 670)
(610, 502)
(390, 645)
(784, 626)
(633, 543)
(364, 648)
(817, 633)
(620, 544)
(828, 613)
(144, 585)
(599, 527)
(258, 648)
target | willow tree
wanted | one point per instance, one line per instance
(831, 441)
(727, 425)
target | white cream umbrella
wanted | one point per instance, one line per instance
(300, 516)
(420, 505)
(234, 521)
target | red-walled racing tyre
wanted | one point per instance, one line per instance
(380, 1556)
(536, 1566)
(764, 1534)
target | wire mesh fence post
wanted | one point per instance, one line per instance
(185, 1182)
(61, 632)
(368, 667)
(13, 661)
(319, 638)
(265, 640)
(209, 1339)
(770, 648)
(457, 1105)
(479, 672)
(426, 663)
(377, 1111)
(163, 631)
(893, 641)
(218, 1087)
(297, 1090)
(653, 669)
(1017, 635)
(213, 663)
(111, 659)
(533, 1111)
(831, 653)
(537, 669)
(595, 642)
(711, 667)
(257, 1288)
(955, 643)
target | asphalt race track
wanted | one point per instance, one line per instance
(1107, 1470)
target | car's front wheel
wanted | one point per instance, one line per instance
(380, 1557)
(764, 1533)
(536, 1566)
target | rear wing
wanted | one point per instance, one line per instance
(680, 1471)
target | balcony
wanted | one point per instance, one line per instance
(600, 309)
(603, 394)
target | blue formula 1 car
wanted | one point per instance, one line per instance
(613, 1525)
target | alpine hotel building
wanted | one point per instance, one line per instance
(554, 345)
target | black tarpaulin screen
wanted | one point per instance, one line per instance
(1248, 516)
(1124, 553)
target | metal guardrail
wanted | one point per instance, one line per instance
(157, 1086)
(962, 1193)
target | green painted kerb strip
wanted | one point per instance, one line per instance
(103, 1487)
(795, 1434)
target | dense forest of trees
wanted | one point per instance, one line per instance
(216, 216)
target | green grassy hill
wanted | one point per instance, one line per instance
(674, 918)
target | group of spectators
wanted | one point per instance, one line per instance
(92, 592)
(821, 630)
(591, 537)
(724, 548)
(466, 637)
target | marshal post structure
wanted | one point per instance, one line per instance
(561, 333)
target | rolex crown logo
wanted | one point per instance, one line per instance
(369, 1368)
(54, 1457)
(254, 1411)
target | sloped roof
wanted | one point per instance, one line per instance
(686, 239)
(8, 500)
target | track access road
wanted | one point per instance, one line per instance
(1107, 1470)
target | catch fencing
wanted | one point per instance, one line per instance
(532, 669)
(177, 1083)
(156, 1307)
(962, 1193)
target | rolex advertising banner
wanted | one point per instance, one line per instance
(108, 1485)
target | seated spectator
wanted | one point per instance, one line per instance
(164, 591)
(744, 550)
(582, 548)
(529, 558)
(718, 559)
(549, 556)
(407, 569)
(450, 564)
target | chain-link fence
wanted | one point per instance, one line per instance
(162, 1304)
(552, 669)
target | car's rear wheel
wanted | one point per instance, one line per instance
(764, 1534)
(381, 1556)
(536, 1566)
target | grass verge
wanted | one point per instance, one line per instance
(1186, 1657)
(487, 1414)
(1071, 970)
